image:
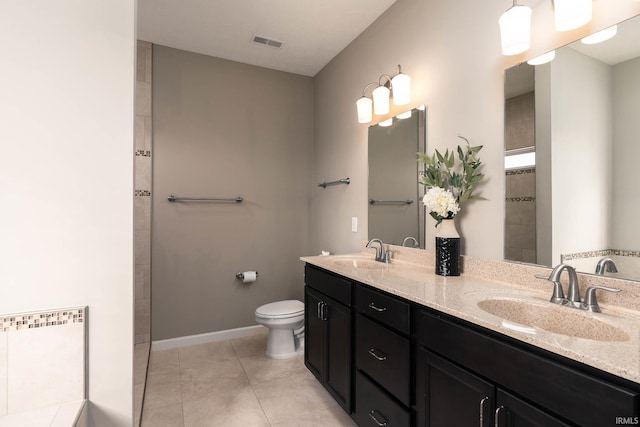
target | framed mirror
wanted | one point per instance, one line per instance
(571, 143)
(395, 212)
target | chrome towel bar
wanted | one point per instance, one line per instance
(338, 182)
(390, 202)
(173, 198)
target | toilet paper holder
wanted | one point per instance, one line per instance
(241, 275)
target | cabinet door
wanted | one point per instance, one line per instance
(313, 333)
(447, 395)
(338, 351)
(513, 412)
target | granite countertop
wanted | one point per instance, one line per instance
(460, 296)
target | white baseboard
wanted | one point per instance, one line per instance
(206, 338)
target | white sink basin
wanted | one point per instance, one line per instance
(361, 263)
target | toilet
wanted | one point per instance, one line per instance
(285, 321)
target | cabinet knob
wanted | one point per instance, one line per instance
(377, 418)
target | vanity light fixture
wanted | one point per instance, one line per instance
(404, 115)
(515, 23)
(515, 29)
(601, 36)
(572, 14)
(542, 59)
(398, 88)
(386, 123)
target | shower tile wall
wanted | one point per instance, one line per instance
(520, 202)
(143, 194)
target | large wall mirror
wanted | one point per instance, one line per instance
(572, 144)
(396, 215)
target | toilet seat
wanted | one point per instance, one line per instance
(281, 309)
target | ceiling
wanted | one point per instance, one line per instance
(312, 31)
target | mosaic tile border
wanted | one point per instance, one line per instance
(521, 199)
(520, 171)
(143, 153)
(593, 254)
(143, 193)
(41, 319)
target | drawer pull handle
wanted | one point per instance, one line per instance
(372, 414)
(498, 409)
(378, 309)
(375, 354)
(484, 399)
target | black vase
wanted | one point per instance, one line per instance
(447, 249)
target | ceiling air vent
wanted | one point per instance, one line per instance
(267, 41)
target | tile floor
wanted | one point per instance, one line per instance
(232, 383)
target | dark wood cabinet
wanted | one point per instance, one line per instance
(328, 340)
(416, 366)
(447, 395)
(542, 390)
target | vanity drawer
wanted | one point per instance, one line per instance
(383, 308)
(385, 356)
(374, 408)
(336, 287)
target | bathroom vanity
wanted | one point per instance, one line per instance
(398, 346)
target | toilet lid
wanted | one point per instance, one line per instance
(280, 308)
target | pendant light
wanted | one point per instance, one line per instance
(572, 14)
(515, 29)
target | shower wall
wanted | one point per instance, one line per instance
(225, 129)
(142, 226)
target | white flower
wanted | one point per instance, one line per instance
(441, 202)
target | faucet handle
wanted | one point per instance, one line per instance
(591, 302)
(387, 255)
(558, 294)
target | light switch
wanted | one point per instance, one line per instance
(354, 224)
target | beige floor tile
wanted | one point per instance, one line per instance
(165, 416)
(162, 390)
(302, 392)
(164, 362)
(252, 345)
(234, 409)
(262, 369)
(334, 416)
(224, 376)
(204, 354)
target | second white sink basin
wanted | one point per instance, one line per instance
(553, 318)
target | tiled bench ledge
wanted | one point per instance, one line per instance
(60, 415)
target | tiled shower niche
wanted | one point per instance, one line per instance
(42, 367)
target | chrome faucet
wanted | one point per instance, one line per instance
(573, 297)
(381, 254)
(605, 264)
(409, 238)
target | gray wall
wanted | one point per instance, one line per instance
(452, 52)
(223, 129)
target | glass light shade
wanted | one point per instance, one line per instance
(381, 100)
(364, 106)
(572, 14)
(386, 123)
(404, 115)
(401, 84)
(542, 59)
(601, 36)
(515, 30)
